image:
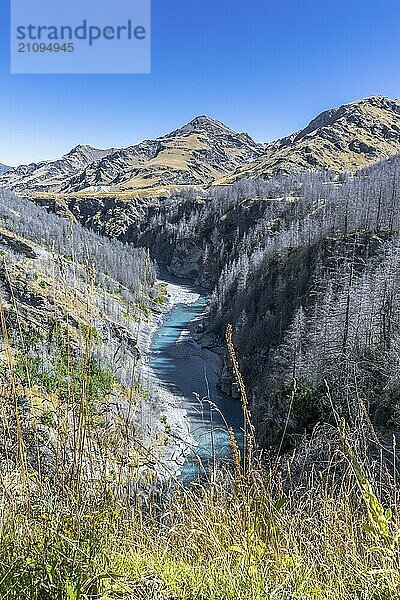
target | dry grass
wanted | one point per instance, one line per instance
(219, 541)
(257, 531)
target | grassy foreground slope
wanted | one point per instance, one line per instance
(261, 530)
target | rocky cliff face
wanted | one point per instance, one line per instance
(341, 139)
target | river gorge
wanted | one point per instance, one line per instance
(188, 371)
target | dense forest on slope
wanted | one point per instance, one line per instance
(306, 268)
(121, 262)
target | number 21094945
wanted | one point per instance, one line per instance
(42, 47)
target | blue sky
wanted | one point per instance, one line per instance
(260, 66)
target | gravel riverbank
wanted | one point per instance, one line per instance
(168, 406)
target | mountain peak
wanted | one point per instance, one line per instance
(85, 149)
(195, 154)
(203, 123)
(87, 153)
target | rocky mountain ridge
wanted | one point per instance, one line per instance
(206, 152)
(50, 175)
(195, 154)
(346, 138)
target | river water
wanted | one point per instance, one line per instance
(182, 366)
